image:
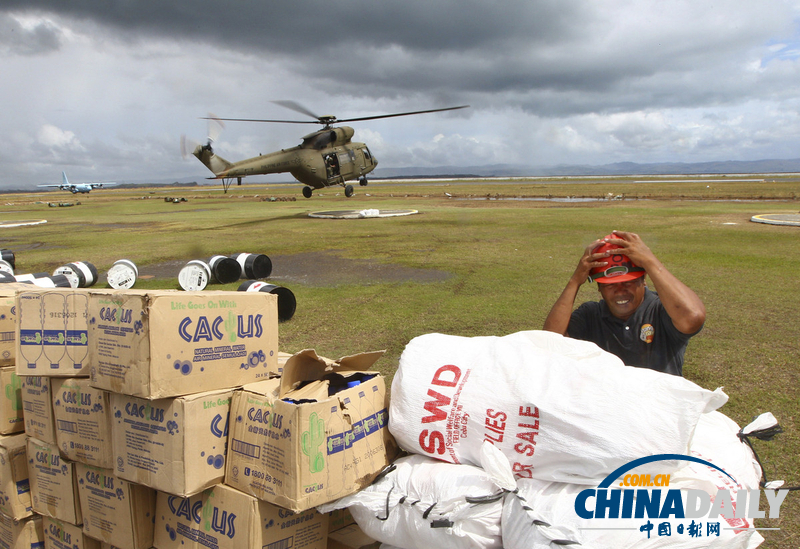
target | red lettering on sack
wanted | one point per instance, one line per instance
(436, 443)
(530, 435)
(432, 406)
(438, 376)
(522, 471)
(526, 411)
(495, 422)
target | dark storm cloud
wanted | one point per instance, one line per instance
(549, 57)
(422, 44)
(300, 27)
(18, 40)
(522, 53)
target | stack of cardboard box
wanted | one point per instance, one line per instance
(137, 419)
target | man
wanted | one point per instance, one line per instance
(644, 328)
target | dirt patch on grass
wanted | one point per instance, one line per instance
(320, 269)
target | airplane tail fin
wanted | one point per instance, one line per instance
(64, 180)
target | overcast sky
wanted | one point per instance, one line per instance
(104, 89)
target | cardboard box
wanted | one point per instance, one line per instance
(282, 359)
(11, 417)
(63, 535)
(37, 404)
(293, 445)
(52, 332)
(15, 490)
(8, 325)
(109, 546)
(225, 518)
(176, 445)
(351, 537)
(24, 534)
(161, 344)
(54, 483)
(83, 421)
(114, 510)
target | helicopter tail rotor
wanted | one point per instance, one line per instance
(205, 153)
(190, 146)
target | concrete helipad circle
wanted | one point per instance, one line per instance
(7, 224)
(792, 219)
(360, 214)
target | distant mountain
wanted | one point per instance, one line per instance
(618, 168)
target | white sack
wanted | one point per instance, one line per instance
(542, 512)
(715, 440)
(427, 503)
(558, 408)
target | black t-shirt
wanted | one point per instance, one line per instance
(648, 339)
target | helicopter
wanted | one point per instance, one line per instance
(325, 158)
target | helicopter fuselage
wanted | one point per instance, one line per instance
(325, 158)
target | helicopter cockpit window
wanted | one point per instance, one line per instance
(367, 155)
(344, 158)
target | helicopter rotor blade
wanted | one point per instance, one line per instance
(263, 120)
(401, 114)
(297, 107)
(188, 146)
(328, 120)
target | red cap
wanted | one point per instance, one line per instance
(619, 267)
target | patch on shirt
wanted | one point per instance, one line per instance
(647, 333)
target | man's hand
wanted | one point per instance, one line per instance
(632, 246)
(558, 318)
(589, 260)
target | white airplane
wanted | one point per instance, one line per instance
(76, 188)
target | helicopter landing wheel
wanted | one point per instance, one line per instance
(348, 191)
(362, 181)
(307, 191)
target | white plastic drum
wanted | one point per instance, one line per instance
(194, 276)
(6, 267)
(80, 274)
(29, 277)
(122, 274)
(55, 281)
(9, 257)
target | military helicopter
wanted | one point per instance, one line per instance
(326, 157)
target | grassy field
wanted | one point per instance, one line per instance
(507, 253)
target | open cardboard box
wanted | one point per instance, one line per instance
(307, 438)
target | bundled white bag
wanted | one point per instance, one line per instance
(716, 440)
(423, 502)
(541, 514)
(558, 408)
